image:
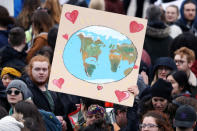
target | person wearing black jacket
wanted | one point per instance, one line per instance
(14, 55)
(60, 104)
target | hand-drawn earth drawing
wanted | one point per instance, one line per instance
(99, 54)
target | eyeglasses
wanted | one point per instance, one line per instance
(180, 62)
(16, 92)
(149, 125)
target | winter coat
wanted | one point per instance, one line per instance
(194, 68)
(3, 38)
(12, 58)
(51, 122)
(62, 107)
(182, 22)
(157, 40)
(38, 43)
(192, 81)
(9, 123)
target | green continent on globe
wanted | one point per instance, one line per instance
(123, 52)
(89, 48)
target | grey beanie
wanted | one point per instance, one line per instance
(21, 86)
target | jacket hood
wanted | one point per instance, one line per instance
(157, 30)
(164, 61)
(182, 19)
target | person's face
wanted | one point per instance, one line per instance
(159, 103)
(176, 89)
(163, 71)
(182, 63)
(189, 11)
(90, 119)
(14, 96)
(149, 124)
(6, 79)
(171, 14)
(40, 72)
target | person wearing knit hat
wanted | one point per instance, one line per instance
(17, 91)
(161, 94)
(8, 74)
(94, 113)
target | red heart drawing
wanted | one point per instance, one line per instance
(122, 95)
(65, 36)
(99, 87)
(58, 82)
(135, 67)
(72, 16)
(135, 27)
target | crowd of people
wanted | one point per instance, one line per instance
(164, 96)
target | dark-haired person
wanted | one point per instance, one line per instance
(41, 24)
(160, 98)
(14, 54)
(157, 38)
(179, 81)
(120, 112)
(29, 110)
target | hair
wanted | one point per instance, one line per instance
(153, 13)
(31, 125)
(183, 100)
(161, 119)
(54, 9)
(176, 7)
(121, 108)
(28, 109)
(39, 58)
(97, 4)
(181, 78)
(52, 36)
(24, 18)
(16, 36)
(5, 18)
(186, 39)
(3, 112)
(46, 51)
(186, 51)
(41, 21)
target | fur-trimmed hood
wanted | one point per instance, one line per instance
(157, 30)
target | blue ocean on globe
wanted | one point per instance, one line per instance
(99, 54)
